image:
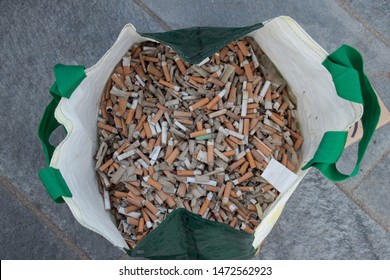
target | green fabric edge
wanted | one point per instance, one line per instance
(68, 78)
(185, 235)
(346, 67)
(46, 127)
(195, 44)
(54, 183)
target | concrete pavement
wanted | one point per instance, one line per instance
(323, 220)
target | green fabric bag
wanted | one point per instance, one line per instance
(70, 175)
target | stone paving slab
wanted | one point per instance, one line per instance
(374, 191)
(36, 35)
(375, 13)
(321, 222)
(24, 236)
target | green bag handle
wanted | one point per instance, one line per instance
(68, 77)
(346, 68)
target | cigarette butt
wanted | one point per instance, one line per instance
(192, 81)
(139, 171)
(232, 96)
(119, 194)
(247, 228)
(117, 80)
(189, 172)
(211, 189)
(236, 164)
(216, 99)
(226, 193)
(229, 153)
(240, 56)
(132, 208)
(199, 104)
(180, 65)
(151, 207)
(140, 72)
(205, 204)
(181, 114)
(169, 85)
(172, 156)
(238, 70)
(243, 178)
(250, 159)
(166, 71)
(235, 140)
(147, 129)
(187, 205)
(246, 127)
(243, 168)
(216, 82)
(283, 107)
(133, 107)
(284, 160)
(118, 123)
(151, 170)
(121, 106)
(268, 99)
(137, 200)
(246, 189)
(276, 119)
(106, 165)
(151, 215)
(233, 223)
(231, 207)
(146, 218)
(243, 48)
(200, 133)
(261, 146)
(153, 183)
(199, 125)
(141, 224)
(121, 148)
(151, 59)
(248, 70)
(171, 203)
(150, 146)
(157, 117)
(154, 71)
(132, 221)
(181, 191)
(107, 127)
(266, 188)
(210, 151)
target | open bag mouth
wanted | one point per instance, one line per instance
(296, 56)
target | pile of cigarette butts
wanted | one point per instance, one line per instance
(174, 135)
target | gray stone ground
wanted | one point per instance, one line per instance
(323, 220)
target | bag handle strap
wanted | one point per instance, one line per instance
(346, 67)
(68, 77)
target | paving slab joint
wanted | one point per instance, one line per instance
(151, 13)
(368, 26)
(44, 219)
(380, 221)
